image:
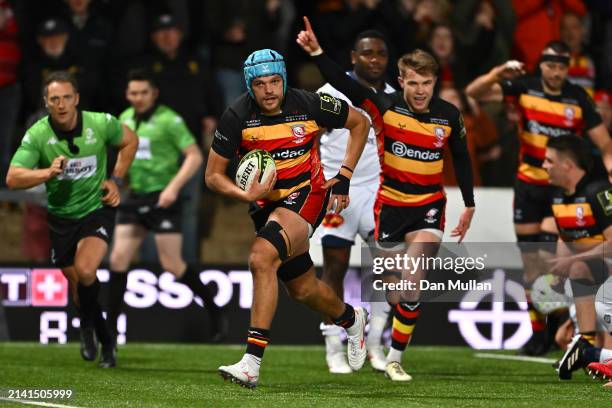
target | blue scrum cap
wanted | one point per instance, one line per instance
(263, 63)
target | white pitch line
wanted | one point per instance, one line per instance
(516, 358)
(37, 403)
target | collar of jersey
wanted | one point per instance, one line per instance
(145, 116)
(354, 76)
(68, 134)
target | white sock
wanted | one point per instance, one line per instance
(606, 354)
(333, 342)
(394, 355)
(253, 361)
(378, 320)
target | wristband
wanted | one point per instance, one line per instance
(347, 168)
(316, 52)
(342, 186)
(117, 180)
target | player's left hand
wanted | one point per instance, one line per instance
(307, 39)
(339, 199)
(560, 265)
(464, 223)
(111, 193)
(167, 197)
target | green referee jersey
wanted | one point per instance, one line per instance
(162, 135)
(77, 191)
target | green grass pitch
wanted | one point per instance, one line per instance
(165, 375)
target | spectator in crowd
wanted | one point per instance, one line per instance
(537, 24)
(54, 54)
(10, 96)
(90, 33)
(582, 68)
(481, 137)
(483, 31)
(186, 85)
(185, 82)
(452, 70)
(237, 28)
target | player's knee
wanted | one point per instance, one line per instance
(119, 260)
(86, 270)
(262, 260)
(579, 270)
(174, 266)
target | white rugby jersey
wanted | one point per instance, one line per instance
(333, 146)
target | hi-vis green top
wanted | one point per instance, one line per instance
(162, 135)
(78, 190)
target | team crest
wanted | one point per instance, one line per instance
(440, 134)
(89, 136)
(290, 200)
(429, 217)
(299, 133)
(569, 116)
(580, 217)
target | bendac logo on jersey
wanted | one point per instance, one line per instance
(440, 135)
(569, 116)
(580, 217)
(49, 288)
(299, 133)
(333, 220)
(429, 217)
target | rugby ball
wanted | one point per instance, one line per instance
(249, 164)
(545, 299)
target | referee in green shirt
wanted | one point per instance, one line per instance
(156, 179)
(66, 150)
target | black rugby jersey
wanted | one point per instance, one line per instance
(291, 137)
(583, 216)
(544, 116)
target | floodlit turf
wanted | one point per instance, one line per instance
(186, 375)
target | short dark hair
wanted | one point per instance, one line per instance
(559, 47)
(142, 75)
(60, 76)
(575, 148)
(369, 34)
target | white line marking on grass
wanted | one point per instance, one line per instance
(37, 403)
(516, 358)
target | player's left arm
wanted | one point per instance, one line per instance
(462, 164)
(192, 162)
(127, 150)
(335, 113)
(184, 141)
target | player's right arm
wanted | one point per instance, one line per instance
(333, 73)
(21, 178)
(488, 88)
(22, 173)
(225, 147)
